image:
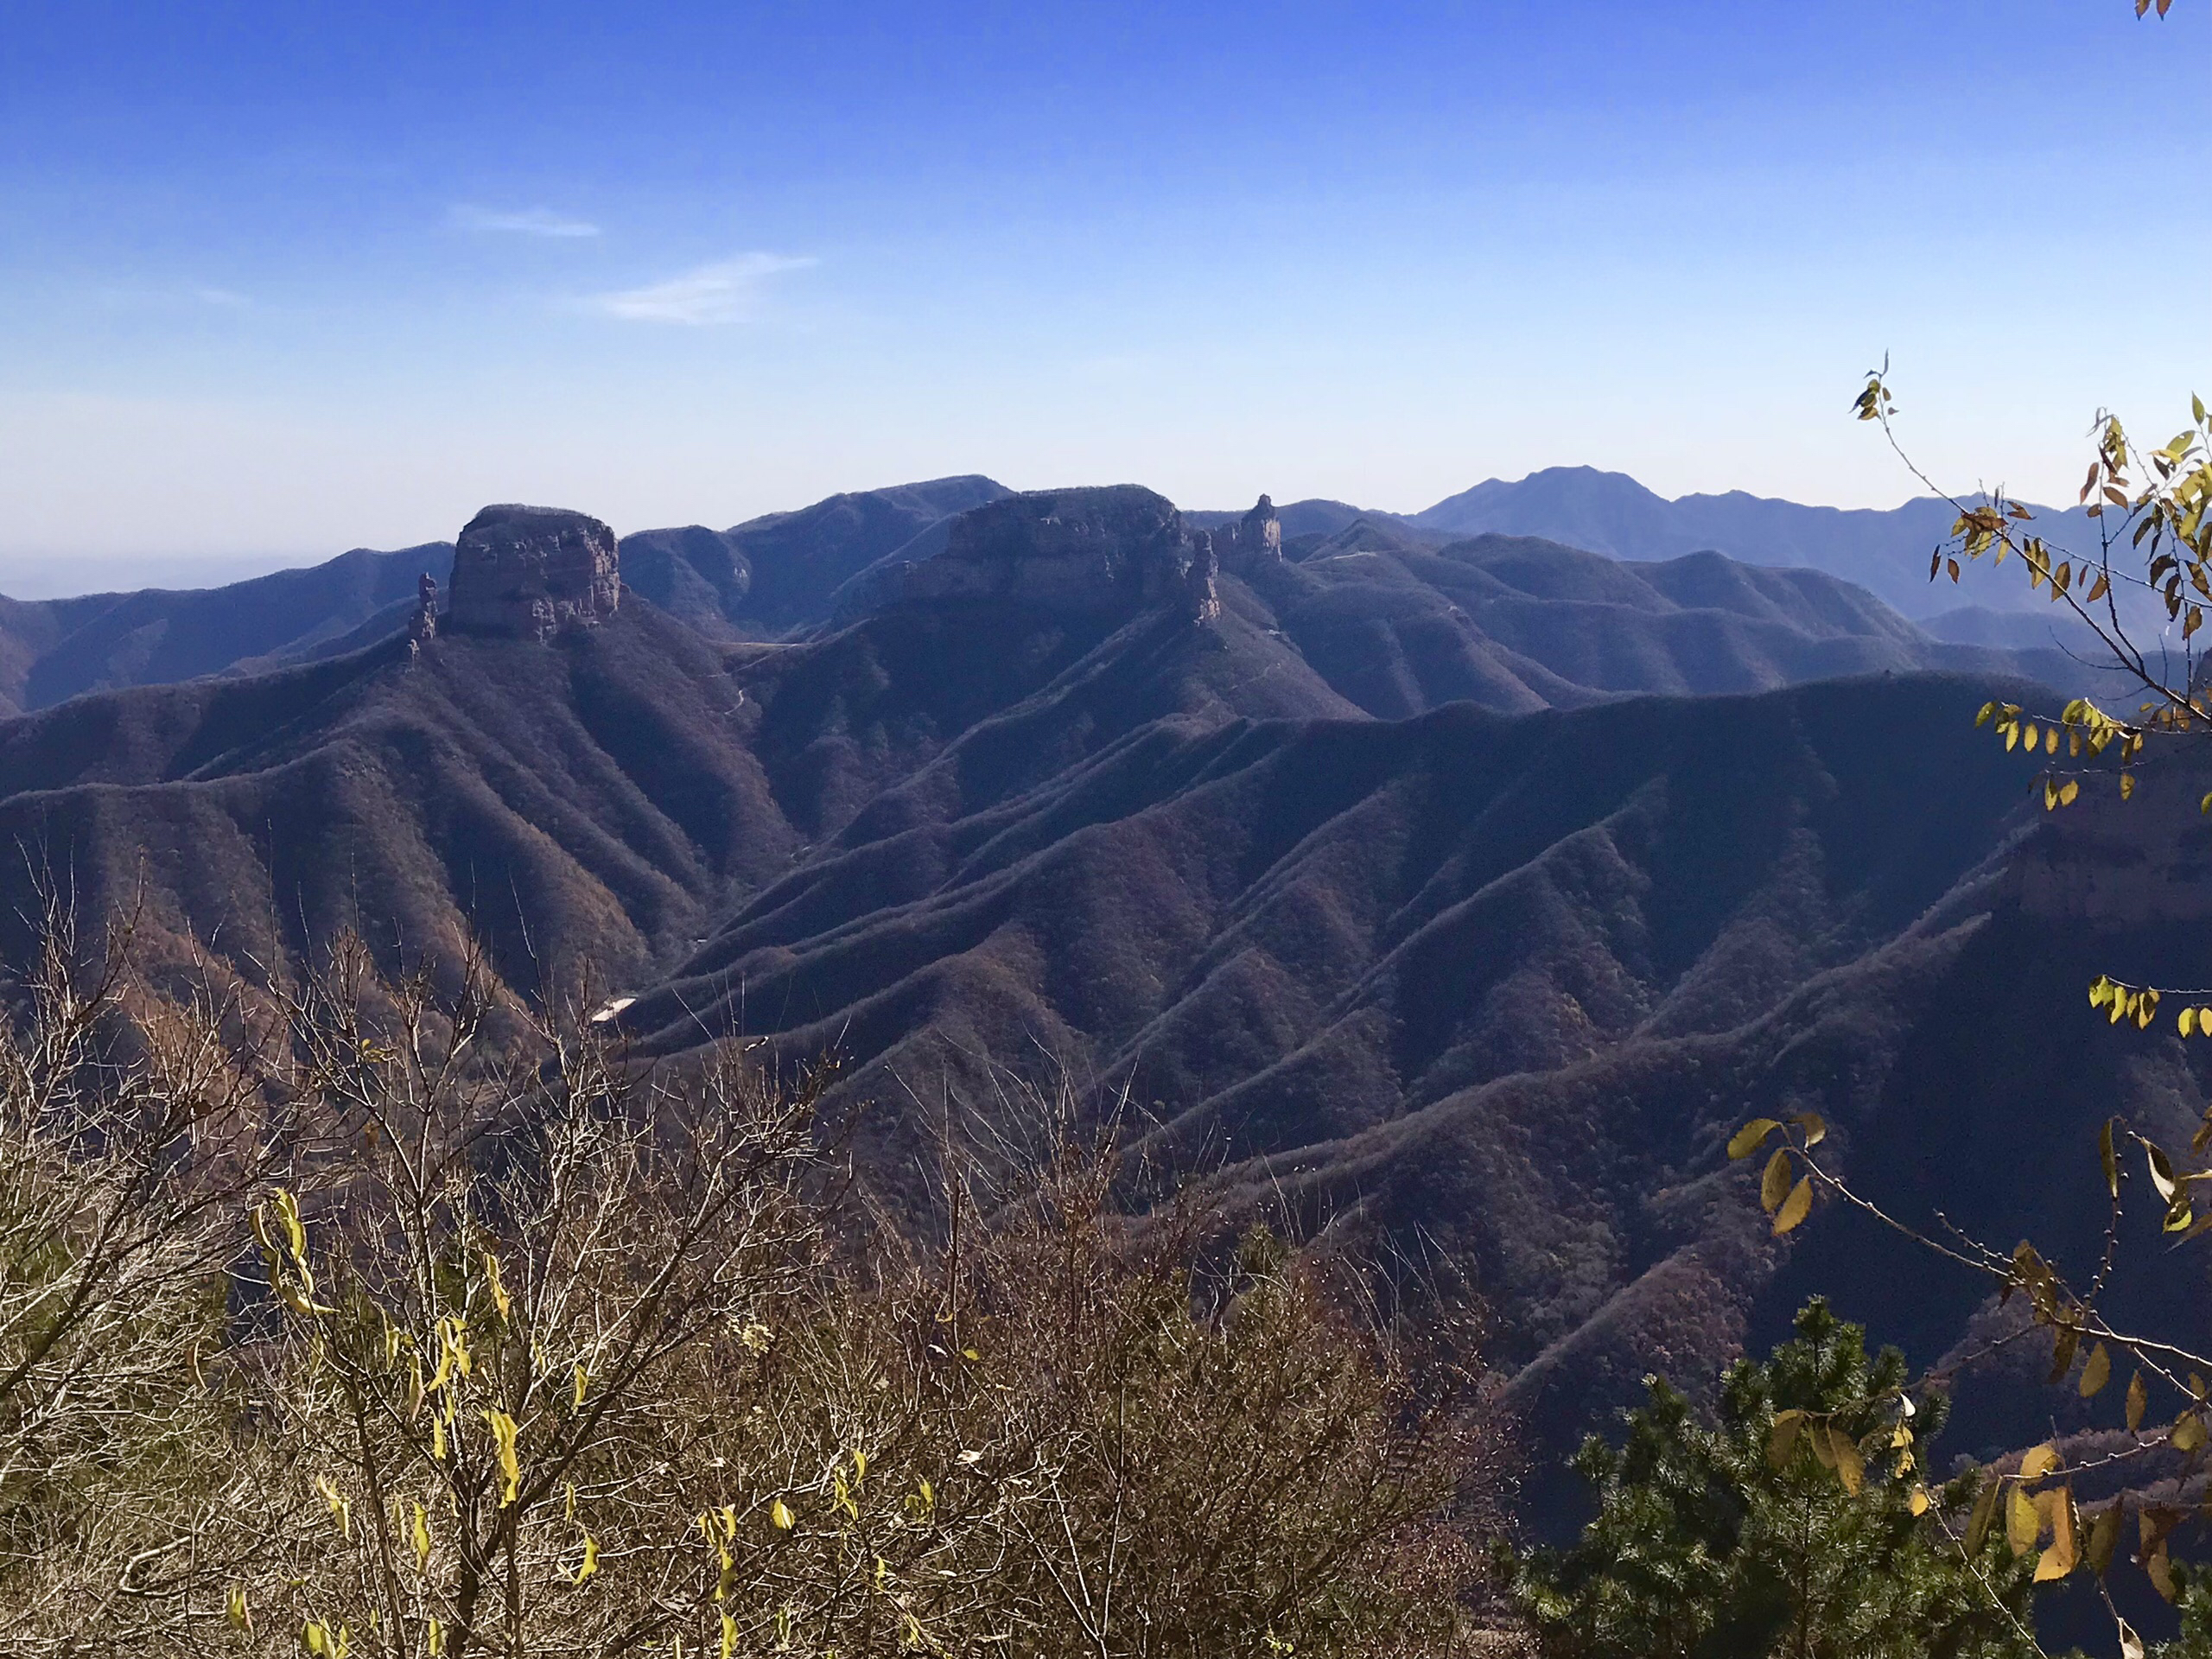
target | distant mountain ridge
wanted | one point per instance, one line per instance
(1885, 551)
(753, 581)
(790, 571)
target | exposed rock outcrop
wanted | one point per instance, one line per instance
(1254, 539)
(1201, 594)
(1259, 532)
(532, 571)
(1119, 549)
(423, 626)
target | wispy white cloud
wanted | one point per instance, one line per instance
(528, 221)
(726, 291)
(175, 297)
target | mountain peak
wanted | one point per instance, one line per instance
(531, 571)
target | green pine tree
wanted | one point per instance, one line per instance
(1797, 1526)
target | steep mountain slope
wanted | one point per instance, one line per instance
(589, 800)
(1361, 875)
(1500, 987)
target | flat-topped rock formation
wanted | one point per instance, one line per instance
(530, 572)
(1119, 549)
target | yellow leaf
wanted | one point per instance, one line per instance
(503, 1437)
(589, 1565)
(1813, 1127)
(295, 1234)
(2161, 1573)
(235, 1609)
(2060, 1559)
(1795, 1206)
(1749, 1139)
(2138, 1398)
(779, 1513)
(1774, 1184)
(583, 1378)
(1918, 1502)
(2109, 1159)
(2188, 1022)
(1850, 1467)
(2023, 1520)
(2104, 1535)
(1782, 1439)
(2096, 1372)
(2188, 1433)
(420, 1538)
(2039, 1462)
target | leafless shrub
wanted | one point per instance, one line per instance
(390, 1320)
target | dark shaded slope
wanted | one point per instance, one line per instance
(592, 799)
(1500, 987)
(1229, 907)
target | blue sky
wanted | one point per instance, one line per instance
(279, 280)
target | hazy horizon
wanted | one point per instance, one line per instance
(277, 285)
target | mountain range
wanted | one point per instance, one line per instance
(780, 573)
(1458, 893)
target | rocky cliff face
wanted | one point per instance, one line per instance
(532, 571)
(1256, 537)
(1120, 549)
